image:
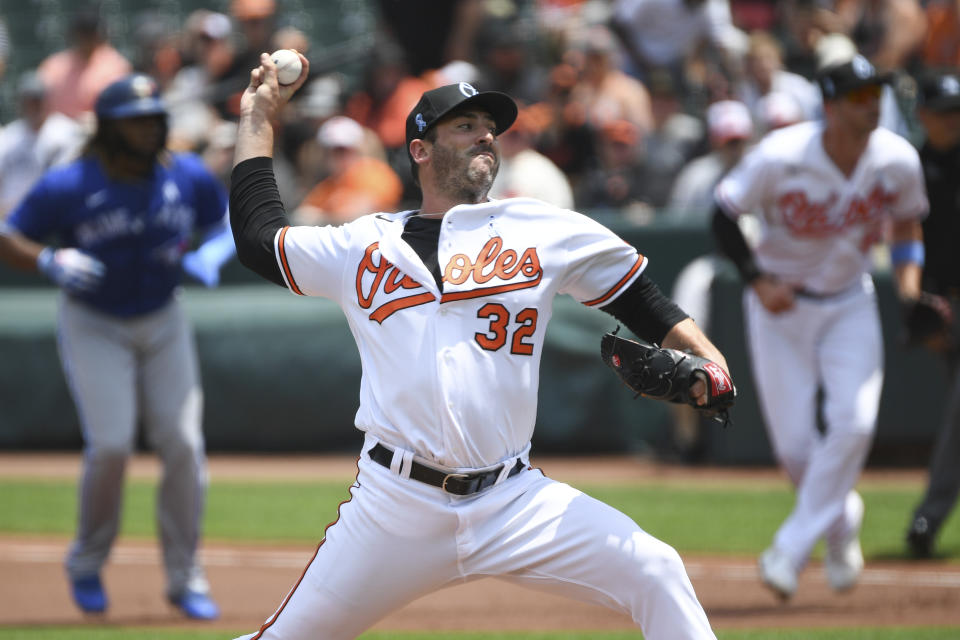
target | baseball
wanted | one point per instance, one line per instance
(288, 65)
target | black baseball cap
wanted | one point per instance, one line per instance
(437, 103)
(939, 90)
(839, 79)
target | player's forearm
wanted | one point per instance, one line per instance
(18, 251)
(907, 254)
(254, 138)
(686, 336)
(733, 245)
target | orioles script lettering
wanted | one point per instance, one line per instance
(509, 269)
(806, 217)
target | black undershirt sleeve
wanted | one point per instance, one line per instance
(256, 214)
(733, 245)
(644, 309)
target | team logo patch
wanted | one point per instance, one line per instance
(467, 89)
(615, 359)
(142, 86)
(421, 123)
(719, 380)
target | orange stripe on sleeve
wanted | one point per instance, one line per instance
(282, 255)
(623, 281)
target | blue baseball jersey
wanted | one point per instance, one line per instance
(139, 229)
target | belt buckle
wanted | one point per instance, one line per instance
(443, 485)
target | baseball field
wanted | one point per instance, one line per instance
(266, 515)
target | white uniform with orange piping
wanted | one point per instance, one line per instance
(817, 228)
(450, 383)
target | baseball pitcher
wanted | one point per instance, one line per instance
(448, 305)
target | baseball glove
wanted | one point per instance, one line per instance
(668, 374)
(929, 316)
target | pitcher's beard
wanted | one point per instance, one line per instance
(469, 183)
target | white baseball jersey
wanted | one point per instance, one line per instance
(818, 224)
(475, 345)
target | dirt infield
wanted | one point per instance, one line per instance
(249, 580)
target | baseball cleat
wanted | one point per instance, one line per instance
(843, 563)
(89, 595)
(778, 573)
(843, 566)
(196, 605)
(920, 538)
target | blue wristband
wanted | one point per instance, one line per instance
(911, 251)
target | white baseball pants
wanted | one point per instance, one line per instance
(397, 539)
(834, 344)
(123, 371)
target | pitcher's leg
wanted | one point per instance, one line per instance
(100, 372)
(557, 539)
(390, 545)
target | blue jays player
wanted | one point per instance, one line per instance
(449, 305)
(123, 216)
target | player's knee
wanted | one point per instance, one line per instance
(849, 423)
(105, 453)
(655, 565)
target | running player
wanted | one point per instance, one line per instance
(824, 193)
(124, 215)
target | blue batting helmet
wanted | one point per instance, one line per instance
(131, 96)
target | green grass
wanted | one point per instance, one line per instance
(120, 633)
(724, 520)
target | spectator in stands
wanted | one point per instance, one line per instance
(941, 45)
(36, 141)
(429, 32)
(677, 137)
(886, 32)
(775, 111)
(357, 183)
(730, 128)
(802, 24)
(525, 171)
(256, 21)
(506, 62)
(207, 54)
(667, 34)
(607, 93)
(764, 73)
(565, 137)
(387, 94)
(76, 75)
(618, 181)
(156, 39)
(217, 153)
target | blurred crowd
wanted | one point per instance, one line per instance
(630, 106)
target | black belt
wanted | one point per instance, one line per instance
(459, 484)
(816, 295)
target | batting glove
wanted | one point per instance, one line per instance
(71, 269)
(205, 263)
